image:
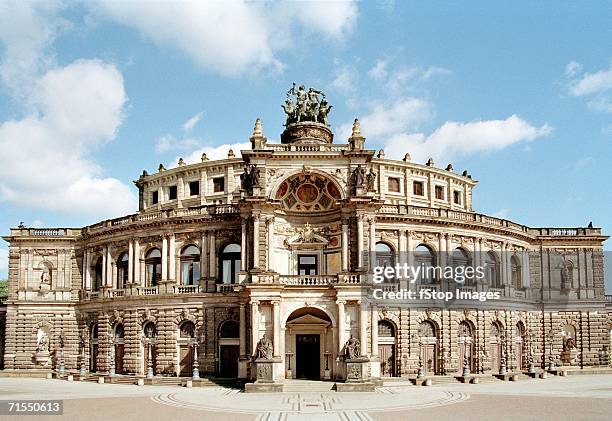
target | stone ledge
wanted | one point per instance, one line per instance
(263, 387)
(356, 387)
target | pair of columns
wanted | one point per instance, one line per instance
(363, 328)
(361, 218)
(276, 327)
(269, 226)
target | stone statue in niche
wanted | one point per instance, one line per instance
(43, 342)
(565, 275)
(249, 178)
(370, 180)
(352, 348)
(265, 348)
(45, 279)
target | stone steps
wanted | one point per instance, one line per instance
(307, 386)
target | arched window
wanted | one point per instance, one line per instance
(94, 332)
(515, 268)
(460, 260)
(424, 258)
(491, 270)
(384, 255)
(230, 263)
(187, 329)
(119, 332)
(149, 330)
(98, 274)
(153, 267)
(122, 270)
(229, 329)
(190, 265)
(386, 329)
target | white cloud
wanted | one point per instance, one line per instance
(191, 123)
(169, 143)
(397, 80)
(385, 120)
(456, 139)
(345, 80)
(502, 213)
(231, 38)
(76, 109)
(379, 70)
(216, 152)
(597, 86)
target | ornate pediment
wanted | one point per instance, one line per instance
(308, 319)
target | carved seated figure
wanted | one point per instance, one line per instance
(352, 348)
(265, 348)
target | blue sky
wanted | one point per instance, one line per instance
(92, 93)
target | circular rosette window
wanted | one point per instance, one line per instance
(307, 193)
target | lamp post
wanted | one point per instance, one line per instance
(421, 371)
(502, 357)
(551, 360)
(112, 370)
(466, 367)
(83, 370)
(531, 369)
(148, 342)
(62, 341)
(195, 374)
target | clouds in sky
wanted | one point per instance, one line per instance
(596, 87)
(68, 112)
(231, 38)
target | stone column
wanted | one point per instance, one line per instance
(109, 268)
(203, 257)
(172, 259)
(372, 221)
(525, 269)
(345, 246)
(360, 241)
(86, 269)
(137, 263)
(243, 245)
(363, 327)
(164, 259)
(270, 262)
(254, 326)
(211, 255)
(130, 280)
(341, 328)
(276, 321)
(503, 264)
(374, 312)
(242, 329)
(256, 241)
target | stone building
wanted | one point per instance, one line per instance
(277, 247)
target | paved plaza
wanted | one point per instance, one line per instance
(572, 398)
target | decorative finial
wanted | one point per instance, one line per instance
(204, 157)
(144, 173)
(381, 153)
(230, 154)
(162, 168)
(407, 158)
(430, 162)
(21, 225)
(258, 129)
(181, 162)
(356, 129)
(449, 167)
(590, 224)
(464, 173)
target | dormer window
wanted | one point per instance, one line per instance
(439, 192)
(219, 184)
(172, 193)
(154, 197)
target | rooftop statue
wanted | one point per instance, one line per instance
(304, 105)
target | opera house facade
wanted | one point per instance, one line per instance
(260, 267)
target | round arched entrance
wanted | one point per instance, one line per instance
(309, 342)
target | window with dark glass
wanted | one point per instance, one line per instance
(307, 264)
(122, 270)
(230, 263)
(385, 257)
(457, 197)
(98, 275)
(154, 197)
(417, 188)
(424, 258)
(394, 184)
(194, 188)
(491, 270)
(219, 184)
(439, 192)
(153, 267)
(190, 265)
(172, 193)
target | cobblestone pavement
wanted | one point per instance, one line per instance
(559, 398)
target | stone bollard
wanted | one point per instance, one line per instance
(544, 375)
(140, 382)
(476, 380)
(100, 380)
(563, 373)
(49, 375)
(427, 382)
(70, 377)
(514, 378)
(189, 383)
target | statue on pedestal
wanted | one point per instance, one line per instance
(265, 348)
(352, 348)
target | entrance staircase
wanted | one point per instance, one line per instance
(308, 386)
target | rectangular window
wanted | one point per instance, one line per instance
(172, 193)
(457, 197)
(219, 184)
(154, 197)
(394, 184)
(417, 188)
(439, 192)
(194, 188)
(307, 264)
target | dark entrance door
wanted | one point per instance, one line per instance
(229, 361)
(186, 359)
(308, 354)
(119, 352)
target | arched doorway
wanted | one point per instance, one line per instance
(519, 346)
(428, 343)
(387, 346)
(308, 344)
(496, 344)
(229, 349)
(185, 348)
(466, 343)
(119, 344)
(93, 348)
